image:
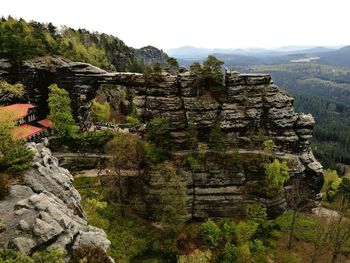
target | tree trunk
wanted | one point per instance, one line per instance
(290, 242)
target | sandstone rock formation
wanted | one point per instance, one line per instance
(250, 102)
(45, 210)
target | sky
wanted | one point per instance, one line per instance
(200, 23)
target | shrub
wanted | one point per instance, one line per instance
(100, 111)
(245, 231)
(158, 133)
(330, 185)
(171, 198)
(257, 213)
(196, 256)
(228, 254)
(52, 255)
(12, 256)
(244, 254)
(90, 254)
(276, 175)
(133, 120)
(210, 233)
(14, 155)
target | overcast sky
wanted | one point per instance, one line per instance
(201, 23)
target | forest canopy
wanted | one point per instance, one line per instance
(21, 40)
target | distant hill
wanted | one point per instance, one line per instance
(339, 57)
(186, 55)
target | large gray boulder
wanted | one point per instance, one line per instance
(46, 211)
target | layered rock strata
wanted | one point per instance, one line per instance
(248, 103)
(45, 210)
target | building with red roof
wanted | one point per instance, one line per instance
(46, 123)
(27, 132)
(28, 128)
(22, 113)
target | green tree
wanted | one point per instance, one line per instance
(268, 147)
(10, 93)
(330, 185)
(192, 136)
(171, 197)
(14, 156)
(173, 65)
(208, 76)
(210, 233)
(64, 126)
(276, 175)
(212, 74)
(257, 213)
(127, 153)
(217, 138)
(158, 133)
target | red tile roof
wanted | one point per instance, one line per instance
(25, 131)
(15, 111)
(45, 123)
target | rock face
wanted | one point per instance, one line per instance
(249, 102)
(45, 210)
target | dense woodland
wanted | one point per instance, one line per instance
(20, 40)
(323, 91)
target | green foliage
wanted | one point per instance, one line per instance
(14, 156)
(84, 141)
(217, 138)
(52, 255)
(158, 134)
(246, 231)
(171, 198)
(12, 256)
(257, 213)
(210, 233)
(22, 40)
(324, 92)
(89, 254)
(88, 141)
(196, 256)
(132, 120)
(208, 76)
(100, 111)
(330, 185)
(344, 188)
(269, 146)
(276, 175)
(192, 136)
(173, 65)
(228, 254)
(304, 229)
(157, 69)
(64, 126)
(132, 238)
(259, 251)
(153, 155)
(193, 162)
(244, 254)
(10, 93)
